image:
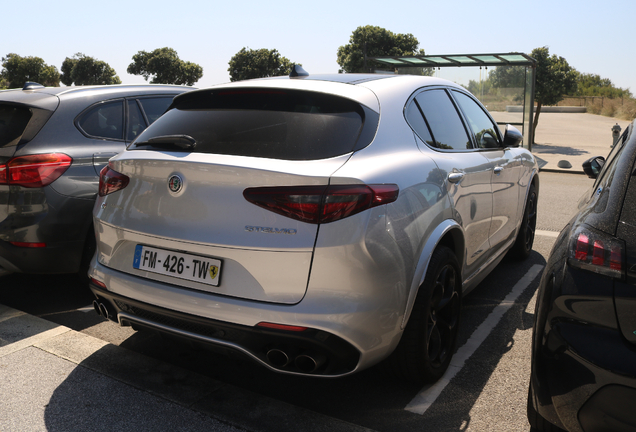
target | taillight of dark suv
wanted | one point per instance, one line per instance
(34, 171)
(596, 251)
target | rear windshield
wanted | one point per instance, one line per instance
(277, 124)
(13, 122)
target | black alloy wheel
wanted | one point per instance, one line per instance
(525, 239)
(430, 337)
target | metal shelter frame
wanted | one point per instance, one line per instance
(473, 60)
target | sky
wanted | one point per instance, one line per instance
(594, 37)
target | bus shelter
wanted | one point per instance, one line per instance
(517, 78)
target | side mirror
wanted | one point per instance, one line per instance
(593, 166)
(512, 137)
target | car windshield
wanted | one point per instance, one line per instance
(277, 124)
(13, 122)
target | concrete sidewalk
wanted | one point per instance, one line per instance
(568, 137)
(53, 378)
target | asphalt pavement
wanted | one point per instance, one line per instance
(53, 378)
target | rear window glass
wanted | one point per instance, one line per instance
(104, 120)
(13, 122)
(155, 107)
(277, 124)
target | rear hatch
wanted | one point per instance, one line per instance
(23, 113)
(190, 176)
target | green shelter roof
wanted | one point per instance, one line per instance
(508, 59)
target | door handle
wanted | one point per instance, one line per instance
(455, 177)
(498, 170)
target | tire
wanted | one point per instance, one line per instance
(525, 238)
(430, 336)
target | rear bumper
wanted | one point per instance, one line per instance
(65, 258)
(577, 395)
(583, 370)
(41, 215)
(309, 352)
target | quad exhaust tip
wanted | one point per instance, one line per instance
(305, 362)
(100, 308)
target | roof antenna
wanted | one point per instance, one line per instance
(31, 85)
(298, 71)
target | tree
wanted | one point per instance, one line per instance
(261, 63)
(554, 79)
(85, 70)
(373, 41)
(165, 67)
(508, 77)
(594, 85)
(17, 70)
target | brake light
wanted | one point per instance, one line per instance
(111, 181)
(596, 251)
(98, 283)
(281, 326)
(321, 204)
(29, 244)
(34, 171)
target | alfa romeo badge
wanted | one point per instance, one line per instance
(175, 183)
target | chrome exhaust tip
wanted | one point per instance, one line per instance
(309, 362)
(96, 307)
(103, 310)
(278, 358)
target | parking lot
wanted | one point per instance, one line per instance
(63, 367)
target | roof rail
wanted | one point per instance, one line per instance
(31, 85)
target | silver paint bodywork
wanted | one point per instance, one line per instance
(357, 277)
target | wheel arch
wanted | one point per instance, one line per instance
(450, 234)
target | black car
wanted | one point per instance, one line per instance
(584, 338)
(53, 143)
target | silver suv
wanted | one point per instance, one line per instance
(318, 224)
(53, 143)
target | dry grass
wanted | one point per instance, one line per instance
(624, 109)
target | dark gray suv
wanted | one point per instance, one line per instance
(53, 143)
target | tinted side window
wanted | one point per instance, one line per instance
(483, 128)
(13, 122)
(417, 123)
(155, 107)
(104, 120)
(136, 123)
(612, 157)
(446, 125)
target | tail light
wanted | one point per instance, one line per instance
(596, 251)
(34, 171)
(321, 204)
(111, 181)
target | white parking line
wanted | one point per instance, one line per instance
(547, 233)
(86, 309)
(425, 398)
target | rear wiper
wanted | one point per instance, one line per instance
(185, 142)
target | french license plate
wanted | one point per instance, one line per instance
(183, 266)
